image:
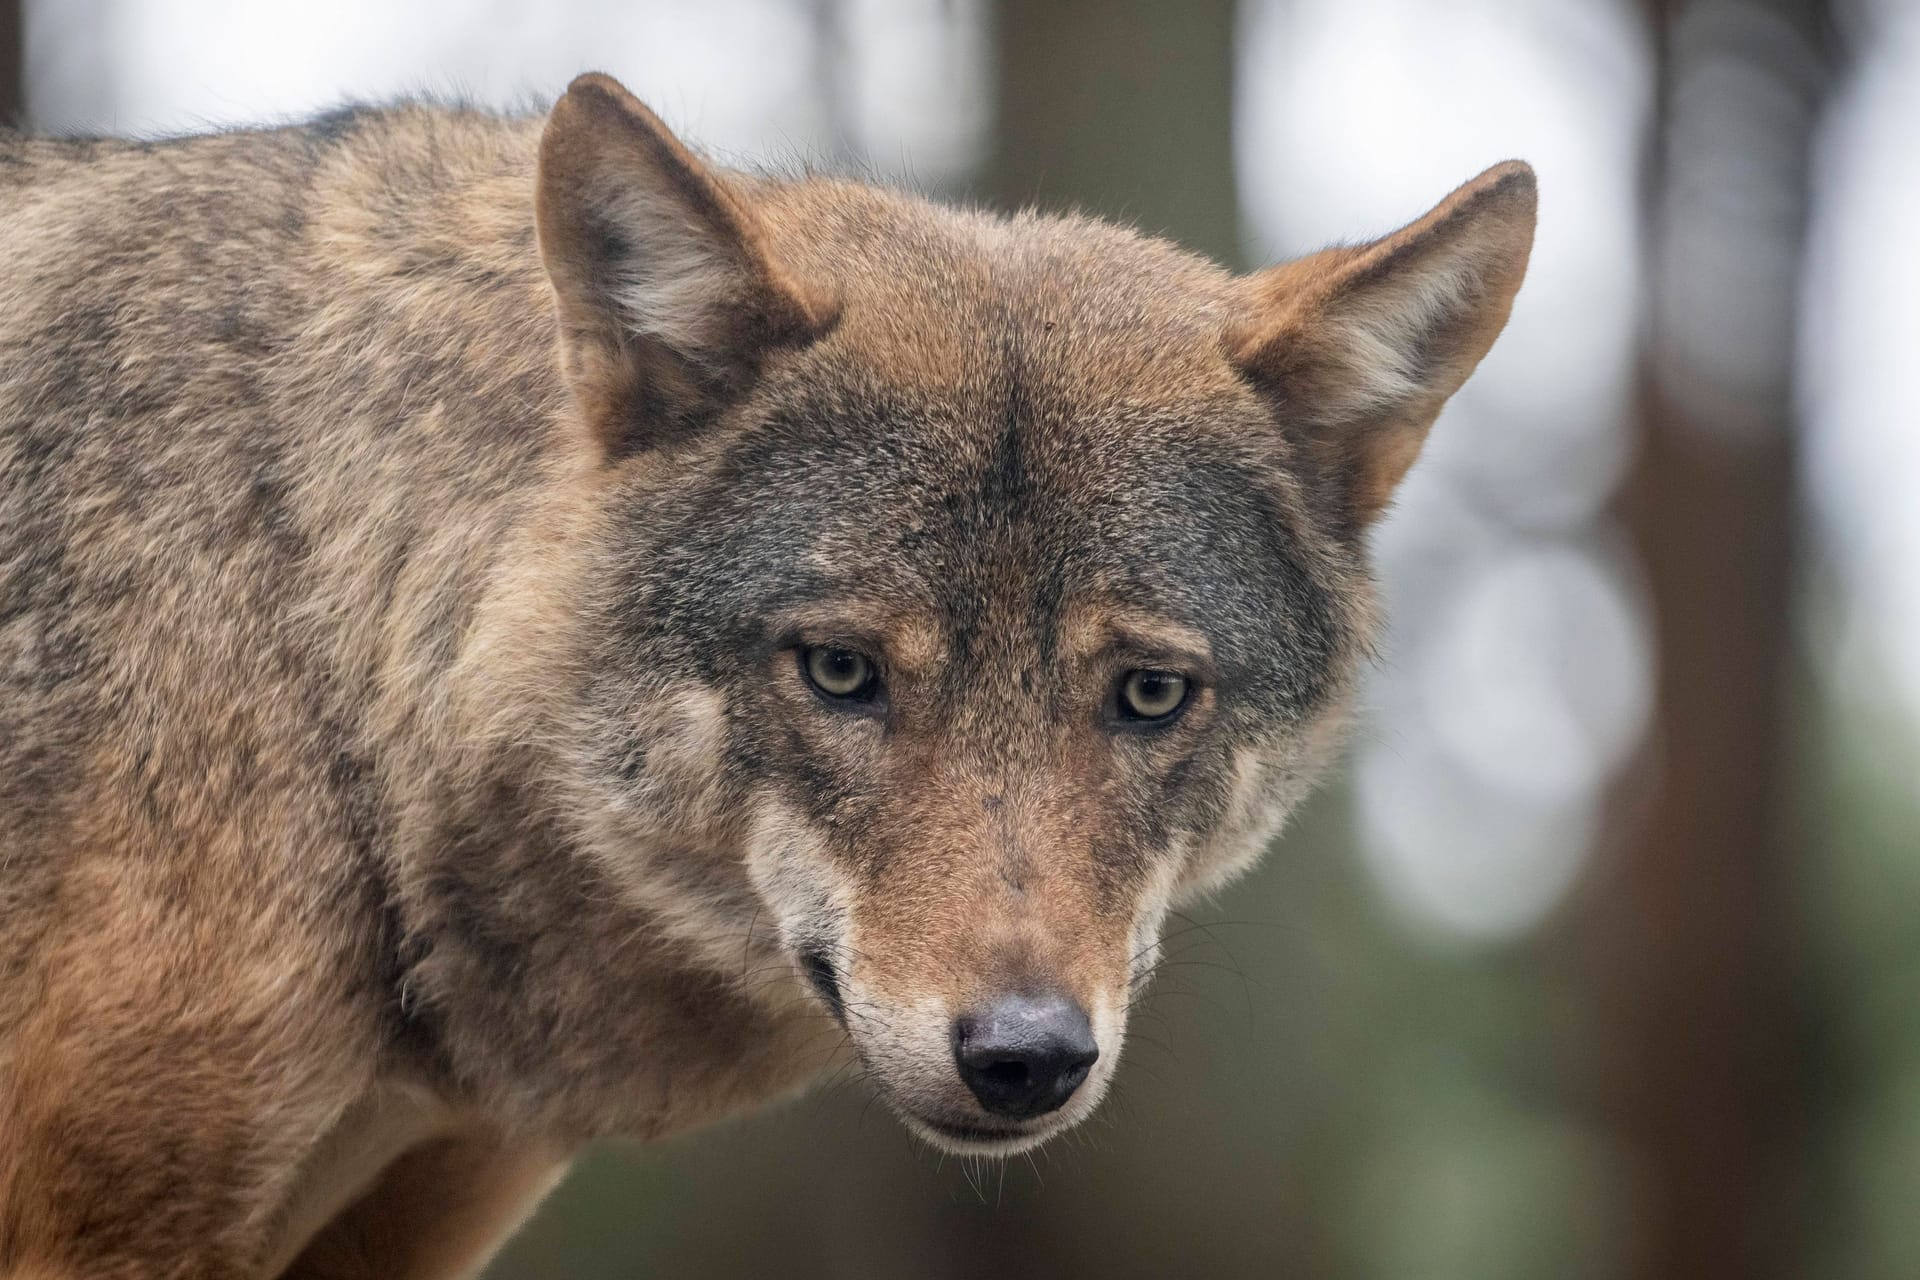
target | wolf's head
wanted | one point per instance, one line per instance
(973, 588)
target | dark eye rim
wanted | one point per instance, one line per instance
(867, 695)
(1127, 717)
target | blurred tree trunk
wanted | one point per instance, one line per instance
(1122, 108)
(1697, 930)
(13, 93)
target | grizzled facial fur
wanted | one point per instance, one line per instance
(970, 589)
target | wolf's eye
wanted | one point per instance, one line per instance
(839, 674)
(1151, 695)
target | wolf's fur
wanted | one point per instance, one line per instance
(405, 775)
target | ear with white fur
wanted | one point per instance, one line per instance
(668, 298)
(1358, 347)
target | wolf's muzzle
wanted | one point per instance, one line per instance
(1024, 1056)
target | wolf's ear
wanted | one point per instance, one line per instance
(668, 298)
(1360, 346)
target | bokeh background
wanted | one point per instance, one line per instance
(1603, 960)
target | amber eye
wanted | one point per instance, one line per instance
(1151, 695)
(839, 674)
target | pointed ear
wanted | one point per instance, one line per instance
(668, 298)
(1360, 346)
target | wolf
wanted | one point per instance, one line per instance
(512, 633)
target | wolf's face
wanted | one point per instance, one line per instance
(995, 668)
(975, 589)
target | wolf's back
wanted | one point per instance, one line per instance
(248, 383)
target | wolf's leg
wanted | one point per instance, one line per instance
(436, 1213)
(167, 1065)
(140, 1166)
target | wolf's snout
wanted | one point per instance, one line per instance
(1025, 1055)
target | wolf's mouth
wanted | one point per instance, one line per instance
(971, 1132)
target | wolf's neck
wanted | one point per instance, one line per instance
(558, 1001)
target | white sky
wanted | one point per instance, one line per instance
(1860, 355)
(741, 76)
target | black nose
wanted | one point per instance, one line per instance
(1024, 1055)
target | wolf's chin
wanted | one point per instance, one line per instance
(979, 1140)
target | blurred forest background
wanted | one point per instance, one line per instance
(1604, 958)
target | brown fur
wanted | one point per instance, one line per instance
(395, 793)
